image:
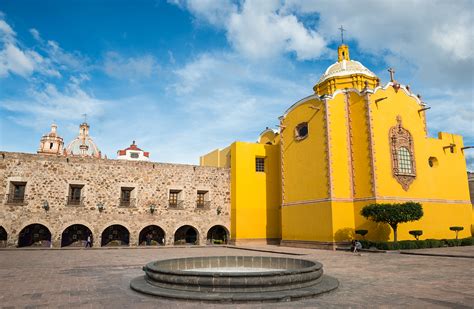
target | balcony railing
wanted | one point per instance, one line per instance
(16, 200)
(73, 201)
(130, 202)
(203, 204)
(175, 204)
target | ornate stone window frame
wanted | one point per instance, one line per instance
(399, 137)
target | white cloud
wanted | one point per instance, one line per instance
(35, 33)
(43, 104)
(49, 60)
(131, 68)
(259, 29)
(13, 60)
(213, 12)
(6, 32)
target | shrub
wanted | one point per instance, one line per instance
(416, 233)
(453, 242)
(407, 244)
(469, 241)
(421, 244)
(456, 229)
(434, 243)
(362, 233)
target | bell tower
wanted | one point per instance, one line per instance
(51, 143)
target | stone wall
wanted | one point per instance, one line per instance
(49, 178)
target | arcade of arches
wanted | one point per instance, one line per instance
(75, 235)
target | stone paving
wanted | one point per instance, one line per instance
(100, 278)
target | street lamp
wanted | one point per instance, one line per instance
(45, 205)
(100, 207)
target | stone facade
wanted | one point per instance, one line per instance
(49, 178)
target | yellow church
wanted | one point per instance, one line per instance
(353, 142)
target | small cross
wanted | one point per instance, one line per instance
(392, 72)
(342, 33)
(85, 117)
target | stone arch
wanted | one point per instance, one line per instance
(3, 237)
(75, 235)
(157, 235)
(115, 235)
(35, 234)
(186, 235)
(217, 235)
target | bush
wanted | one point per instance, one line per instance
(469, 241)
(407, 244)
(416, 233)
(453, 242)
(421, 244)
(417, 244)
(456, 229)
(433, 243)
(361, 232)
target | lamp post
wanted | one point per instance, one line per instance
(100, 207)
(45, 205)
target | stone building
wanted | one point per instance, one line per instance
(133, 153)
(58, 201)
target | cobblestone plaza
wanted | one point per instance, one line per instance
(99, 278)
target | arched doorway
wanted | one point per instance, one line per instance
(186, 235)
(217, 235)
(115, 235)
(75, 236)
(154, 234)
(3, 237)
(36, 235)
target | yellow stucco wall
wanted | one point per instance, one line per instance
(255, 195)
(322, 181)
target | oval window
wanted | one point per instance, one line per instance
(301, 131)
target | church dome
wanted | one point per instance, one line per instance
(85, 148)
(345, 74)
(83, 145)
(345, 67)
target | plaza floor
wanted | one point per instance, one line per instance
(100, 278)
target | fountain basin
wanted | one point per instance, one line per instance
(234, 279)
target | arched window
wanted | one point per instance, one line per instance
(404, 160)
(403, 157)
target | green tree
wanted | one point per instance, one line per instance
(456, 229)
(393, 214)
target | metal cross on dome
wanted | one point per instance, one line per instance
(392, 73)
(85, 117)
(342, 33)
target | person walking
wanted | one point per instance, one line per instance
(89, 241)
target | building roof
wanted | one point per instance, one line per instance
(345, 67)
(134, 147)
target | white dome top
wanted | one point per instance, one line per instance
(345, 67)
(74, 148)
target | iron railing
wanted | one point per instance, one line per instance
(15, 199)
(173, 204)
(73, 201)
(203, 204)
(127, 202)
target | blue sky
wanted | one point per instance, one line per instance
(185, 77)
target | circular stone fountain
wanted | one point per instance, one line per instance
(234, 279)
